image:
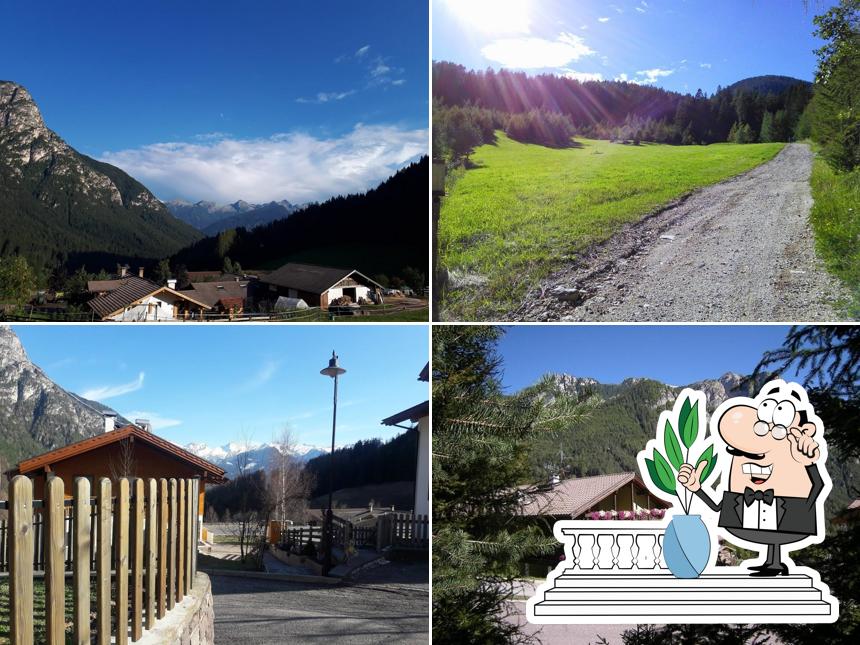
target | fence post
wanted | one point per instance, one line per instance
(180, 581)
(103, 557)
(55, 562)
(151, 550)
(81, 558)
(189, 532)
(137, 540)
(122, 503)
(192, 535)
(162, 548)
(171, 552)
(20, 542)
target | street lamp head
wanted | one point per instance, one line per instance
(333, 368)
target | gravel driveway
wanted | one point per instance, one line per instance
(387, 603)
(740, 250)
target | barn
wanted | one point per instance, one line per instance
(317, 285)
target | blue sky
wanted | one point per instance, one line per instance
(257, 100)
(675, 44)
(215, 384)
(678, 355)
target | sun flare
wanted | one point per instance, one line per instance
(493, 16)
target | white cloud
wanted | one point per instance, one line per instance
(157, 421)
(604, 19)
(683, 61)
(263, 375)
(617, 8)
(535, 53)
(621, 77)
(643, 3)
(110, 391)
(705, 65)
(583, 76)
(640, 10)
(296, 166)
(325, 97)
(651, 75)
(584, 27)
(362, 51)
(399, 81)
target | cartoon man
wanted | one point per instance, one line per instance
(774, 480)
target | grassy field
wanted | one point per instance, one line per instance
(836, 222)
(525, 210)
(39, 610)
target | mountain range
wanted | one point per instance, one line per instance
(211, 218)
(233, 456)
(625, 417)
(381, 231)
(62, 207)
(36, 414)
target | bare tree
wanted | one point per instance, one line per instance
(123, 464)
(288, 482)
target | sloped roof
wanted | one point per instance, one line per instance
(425, 373)
(410, 414)
(572, 497)
(212, 292)
(212, 473)
(311, 278)
(132, 291)
(98, 286)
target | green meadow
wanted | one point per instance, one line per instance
(524, 210)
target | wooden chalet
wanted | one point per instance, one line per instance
(318, 286)
(577, 498)
(129, 451)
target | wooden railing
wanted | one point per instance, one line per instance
(140, 533)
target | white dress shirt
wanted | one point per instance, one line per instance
(760, 515)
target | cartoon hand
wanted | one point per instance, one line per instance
(804, 449)
(691, 478)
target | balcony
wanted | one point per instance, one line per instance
(614, 572)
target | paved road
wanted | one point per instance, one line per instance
(387, 603)
(740, 250)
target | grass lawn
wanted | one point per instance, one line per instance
(39, 610)
(836, 222)
(526, 210)
(408, 315)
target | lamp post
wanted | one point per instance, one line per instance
(334, 371)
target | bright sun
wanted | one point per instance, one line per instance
(492, 16)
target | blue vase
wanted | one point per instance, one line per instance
(686, 546)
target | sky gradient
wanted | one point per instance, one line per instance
(675, 44)
(673, 354)
(224, 100)
(220, 383)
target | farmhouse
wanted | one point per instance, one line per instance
(621, 495)
(228, 296)
(138, 299)
(130, 451)
(419, 415)
(318, 286)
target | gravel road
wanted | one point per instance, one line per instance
(387, 604)
(740, 250)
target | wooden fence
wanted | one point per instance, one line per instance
(135, 543)
(392, 529)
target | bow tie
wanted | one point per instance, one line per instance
(751, 496)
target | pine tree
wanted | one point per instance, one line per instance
(481, 444)
(766, 134)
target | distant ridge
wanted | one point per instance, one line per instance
(768, 83)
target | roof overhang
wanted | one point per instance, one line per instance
(412, 414)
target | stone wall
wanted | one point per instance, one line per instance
(191, 622)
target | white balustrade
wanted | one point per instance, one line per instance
(623, 546)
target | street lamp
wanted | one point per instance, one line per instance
(334, 371)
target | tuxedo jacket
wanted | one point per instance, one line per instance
(793, 514)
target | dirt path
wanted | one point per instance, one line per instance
(740, 250)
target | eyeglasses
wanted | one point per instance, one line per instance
(761, 428)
